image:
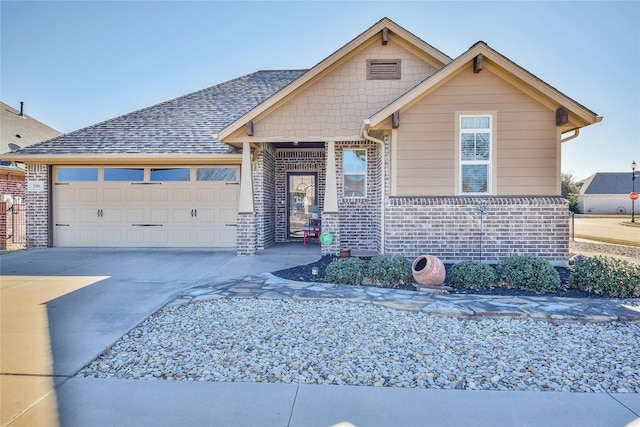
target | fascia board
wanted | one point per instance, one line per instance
(588, 116)
(331, 61)
(160, 159)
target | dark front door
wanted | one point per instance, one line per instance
(303, 195)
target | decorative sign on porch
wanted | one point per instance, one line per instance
(326, 238)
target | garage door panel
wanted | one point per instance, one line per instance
(135, 236)
(206, 216)
(158, 235)
(113, 236)
(159, 215)
(112, 216)
(135, 195)
(112, 195)
(182, 215)
(229, 194)
(205, 195)
(87, 195)
(181, 195)
(66, 215)
(88, 236)
(88, 216)
(227, 236)
(159, 195)
(135, 215)
(65, 194)
(228, 216)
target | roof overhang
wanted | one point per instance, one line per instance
(579, 116)
(134, 159)
(401, 35)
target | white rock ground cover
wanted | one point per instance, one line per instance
(341, 342)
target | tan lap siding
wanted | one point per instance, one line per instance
(525, 135)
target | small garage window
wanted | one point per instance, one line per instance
(179, 174)
(123, 174)
(217, 174)
(77, 174)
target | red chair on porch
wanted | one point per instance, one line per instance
(312, 231)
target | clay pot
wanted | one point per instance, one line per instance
(345, 253)
(428, 270)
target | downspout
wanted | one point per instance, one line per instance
(365, 133)
(576, 132)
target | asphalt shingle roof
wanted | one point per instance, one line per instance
(183, 125)
(609, 183)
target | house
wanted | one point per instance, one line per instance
(17, 130)
(404, 149)
(605, 193)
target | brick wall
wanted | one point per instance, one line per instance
(360, 220)
(449, 227)
(37, 203)
(246, 234)
(13, 184)
(264, 193)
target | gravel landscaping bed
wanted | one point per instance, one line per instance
(319, 342)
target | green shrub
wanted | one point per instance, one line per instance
(529, 273)
(472, 274)
(390, 270)
(606, 276)
(349, 271)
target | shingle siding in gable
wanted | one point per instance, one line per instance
(183, 125)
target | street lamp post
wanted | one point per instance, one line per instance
(633, 189)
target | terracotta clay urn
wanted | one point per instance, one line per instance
(428, 270)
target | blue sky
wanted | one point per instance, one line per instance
(78, 63)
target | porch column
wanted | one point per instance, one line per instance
(330, 213)
(246, 235)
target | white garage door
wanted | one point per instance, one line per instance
(145, 206)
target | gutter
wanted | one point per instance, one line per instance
(366, 124)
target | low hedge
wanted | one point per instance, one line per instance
(349, 271)
(472, 275)
(606, 276)
(529, 273)
(390, 270)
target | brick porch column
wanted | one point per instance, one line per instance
(246, 233)
(330, 214)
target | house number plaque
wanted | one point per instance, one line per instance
(36, 186)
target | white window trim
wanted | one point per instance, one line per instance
(344, 173)
(492, 174)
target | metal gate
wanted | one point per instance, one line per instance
(18, 229)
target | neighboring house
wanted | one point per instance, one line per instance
(605, 193)
(395, 141)
(17, 130)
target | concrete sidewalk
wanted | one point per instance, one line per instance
(60, 308)
(100, 402)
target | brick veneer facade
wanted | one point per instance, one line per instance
(360, 219)
(449, 227)
(11, 183)
(246, 234)
(295, 160)
(37, 207)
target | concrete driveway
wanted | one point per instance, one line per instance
(60, 308)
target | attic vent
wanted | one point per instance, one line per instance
(383, 69)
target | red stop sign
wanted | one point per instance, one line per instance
(633, 195)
